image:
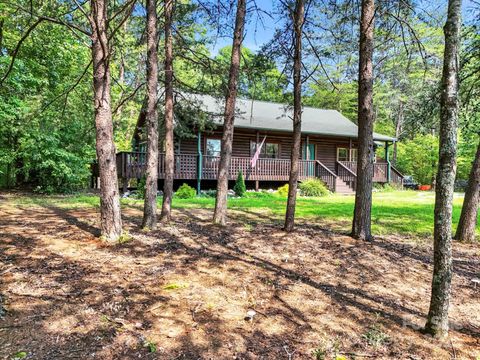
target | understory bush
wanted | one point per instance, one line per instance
(283, 190)
(185, 192)
(258, 194)
(240, 188)
(313, 187)
(142, 183)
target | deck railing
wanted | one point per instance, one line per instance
(380, 170)
(265, 169)
(133, 165)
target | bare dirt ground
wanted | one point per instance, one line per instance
(183, 291)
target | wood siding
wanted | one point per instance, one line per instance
(325, 147)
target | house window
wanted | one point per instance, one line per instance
(271, 150)
(342, 154)
(268, 151)
(213, 147)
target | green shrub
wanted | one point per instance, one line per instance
(313, 187)
(283, 190)
(141, 187)
(185, 192)
(240, 188)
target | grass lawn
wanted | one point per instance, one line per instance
(407, 213)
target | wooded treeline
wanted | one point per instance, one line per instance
(405, 77)
(45, 114)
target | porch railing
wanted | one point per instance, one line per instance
(265, 169)
(380, 170)
(133, 165)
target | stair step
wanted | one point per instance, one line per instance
(342, 187)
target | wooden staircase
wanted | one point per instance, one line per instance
(342, 187)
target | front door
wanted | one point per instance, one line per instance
(309, 154)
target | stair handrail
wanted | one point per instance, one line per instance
(326, 168)
(398, 172)
(346, 168)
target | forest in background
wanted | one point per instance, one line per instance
(47, 134)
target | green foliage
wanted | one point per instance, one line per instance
(19, 355)
(258, 195)
(375, 336)
(141, 187)
(46, 138)
(419, 157)
(259, 79)
(240, 188)
(386, 187)
(185, 192)
(319, 354)
(176, 286)
(150, 345)
(313, 187)
(283, 190)
(125, 237)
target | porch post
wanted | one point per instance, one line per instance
(307, 140)
(387, 144)
(350, 149)
(257, 183)
(199, 161)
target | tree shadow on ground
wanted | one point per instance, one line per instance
(71, 297)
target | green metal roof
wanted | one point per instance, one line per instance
(262, 115)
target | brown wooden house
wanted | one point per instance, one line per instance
(329, 143)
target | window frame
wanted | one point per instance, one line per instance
(206, 146)
(263, 151)
(339, 148)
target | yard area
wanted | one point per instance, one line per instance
(407, 213)
(184, 291)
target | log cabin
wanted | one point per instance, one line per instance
(329, 148)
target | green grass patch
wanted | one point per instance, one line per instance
(393, 212)
(176, 286)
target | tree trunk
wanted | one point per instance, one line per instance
(151, 185)
(398, 131)
(169, 146)
(468, 217)
(437, 321)
(220, 214)
(361, 228)
(110, 216)
(297, 117)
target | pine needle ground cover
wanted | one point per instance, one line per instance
(188, 290)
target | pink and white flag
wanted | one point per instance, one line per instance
(255, 157)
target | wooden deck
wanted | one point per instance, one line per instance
(131, 165)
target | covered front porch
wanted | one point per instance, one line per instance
(132, 165)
